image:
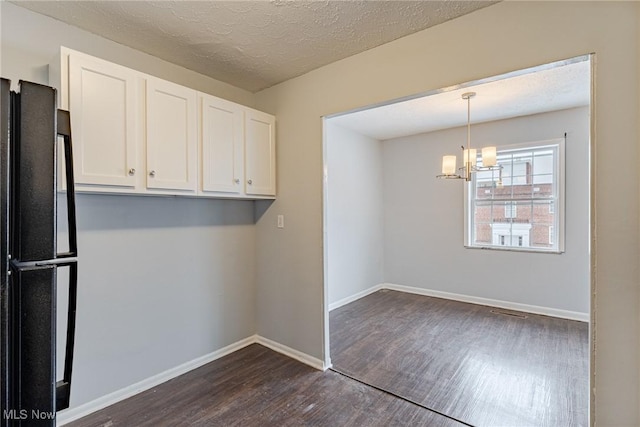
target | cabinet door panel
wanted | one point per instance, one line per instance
(260, 154)
(222, 146)
(171, 136)
(102, 103)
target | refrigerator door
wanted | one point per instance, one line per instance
(34, 298)
(34, 175)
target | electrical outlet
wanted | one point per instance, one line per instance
(280, 221)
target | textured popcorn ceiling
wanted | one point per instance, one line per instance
(253, 44)
(544, 89)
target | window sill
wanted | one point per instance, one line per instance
(515, 249)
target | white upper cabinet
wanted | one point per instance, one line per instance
(237, 150)
(171, 136)
(260, 153)
(137, 134)
(103, 99)
(222, 148)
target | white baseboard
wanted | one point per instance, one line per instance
(292, 353)
(546, 311)
(74, 413)
(527, 308)
(352, 298)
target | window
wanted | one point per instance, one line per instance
(520, 205)
(510, 210)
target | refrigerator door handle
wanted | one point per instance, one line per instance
(64, 130)
(63, 387)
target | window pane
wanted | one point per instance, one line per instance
(540, 236)
(502, 192)
(505, 163)
(482, 234)
(524, 213)
(484, 190)
(523, 191)
(521, 168)
(486, 176)
(482, 212)
(510, 234)
(543, 163)
(543, 186)
(499, 211)
(543, 212)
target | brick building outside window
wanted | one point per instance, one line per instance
(520, 205)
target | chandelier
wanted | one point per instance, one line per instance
(469, 155)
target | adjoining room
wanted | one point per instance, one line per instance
(470, 298)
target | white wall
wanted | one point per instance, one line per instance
(162, 280)
(424, 217)
(354, 212)
(503, 37)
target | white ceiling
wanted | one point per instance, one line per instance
(253, 44)
(542, 90)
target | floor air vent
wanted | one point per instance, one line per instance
(509, 313)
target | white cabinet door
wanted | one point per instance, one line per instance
(171, 136)
(260, 153)
(222, 167)
(103, 104)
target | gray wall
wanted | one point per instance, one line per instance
(500, 38)
(354, 212)
(162, 280)
(424, 217)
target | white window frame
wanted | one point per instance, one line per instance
(559, 224)
(510, 210)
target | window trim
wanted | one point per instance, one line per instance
(559, 225)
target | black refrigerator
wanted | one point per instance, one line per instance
(32, 132)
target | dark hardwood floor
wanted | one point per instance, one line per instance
(259, 387)
(465, 361)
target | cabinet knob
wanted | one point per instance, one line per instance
(250, 182)
(237, 181)
(152, 173)
(132, 171)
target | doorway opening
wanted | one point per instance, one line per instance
(410, 305)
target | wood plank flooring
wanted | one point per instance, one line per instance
(463, 360)
(259, 387)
